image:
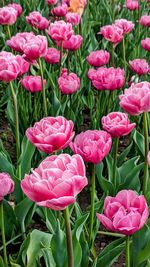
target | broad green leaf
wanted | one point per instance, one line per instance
(123, 155)
(139, 140)
(48, 257)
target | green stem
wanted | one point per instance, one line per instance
(35, 108)
(124, 53)
(43, 88)
(145, 181)
(61, 54)
(110, 234)
(69, 238)
(92, 205)
(128, 251)
(3, 235)
(98, 113)
(113, 9)
(14, 98)
(8, 30)
(115, 160)
(112, 55)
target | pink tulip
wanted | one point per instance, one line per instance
(51, 2)
(139, 66)
(51, 134)
(92, 145)
(145, 20)
(35, 47)
(125, 213)
(112, 33)
(98, 58)
(136, 99)
(107, 78)
(132, 4)
(146, 44)
(60, 30)
(6, 185)
(68, 83)
(17, 7)
(56, 182)
(148, 158)
(60, 10)
(36, 20)
(8, 15)
(18, 41)
(117, 124)
(73, 43)
(32, 84)
(11, 66)
(124, 24)
(73, 18)
(52, 56)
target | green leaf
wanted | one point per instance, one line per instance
(48, 257)
(123, 155)
(139, 140)
(1, 262)
(111, 253)
(5, 165)
(106, 185)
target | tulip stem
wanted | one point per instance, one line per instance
(14, 98)
(124, 53)
(110, 234)
(115, 160)
(113, 9)
(69, 238)
(8, 30)
(128, 251)
(43, 88)
(145, 181)
(3, 234)
(92, 205)
(112, 55)
(61, 54)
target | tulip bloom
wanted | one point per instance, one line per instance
(60, 30)
(124, 24)
(136, 99)
(107, 78)
(51, 134)
(146, 44)
(112, 33)
(126, 213)
(98, 58)
(145, 21)
(32, 84)
(18, 41)
(60, 10)
(36, 20)
(51, 2)
(117, 124)
(73, 43)
(11, 66)
(56, 182)
(139, 66)
(132, 4)
(6, 185)
(68, 83)
(8, 15)
(52, 56)
(73, 18)
(92, 145)
(35, 47)
(17, 7)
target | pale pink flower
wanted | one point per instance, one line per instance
(52, 56)
(126, 213)
(32, 84)
(139, 66)
(36, 20)
(98, 58)
(117, 124)
(60, 10)
(146, 44)
(145, 20)
(92, 145)
(136, 99)
(6, 185)
(132, 4)
(35, 47)
(18, 41)
(68, 83)
(51, 134)
(73, 43)
(107, 78)
(17, 7)
(73, 18)
(124, 24)
(112, 33)
(8, 15)
(60, 30)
